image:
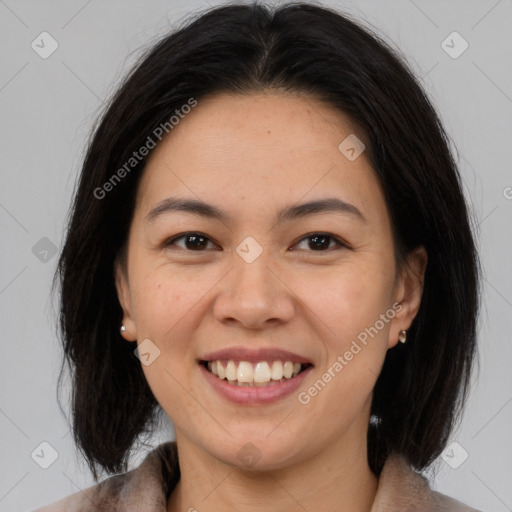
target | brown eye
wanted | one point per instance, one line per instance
(319, 242)
(198, 242)
(192, 241)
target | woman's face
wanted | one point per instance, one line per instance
(265, 281)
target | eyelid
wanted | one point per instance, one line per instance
(170, 241)
(337, 239)
(340, 242)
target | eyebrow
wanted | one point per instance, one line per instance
(198, 207)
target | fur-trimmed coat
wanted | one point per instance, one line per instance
(147, 487)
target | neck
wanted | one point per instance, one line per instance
(335, 479)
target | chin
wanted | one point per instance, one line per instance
(258, 453)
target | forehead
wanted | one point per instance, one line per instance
(252, 121)
(263, 147)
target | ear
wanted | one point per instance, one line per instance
(123, 294)
(409, 290)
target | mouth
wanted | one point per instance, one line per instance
(254, 377)
(254, 373)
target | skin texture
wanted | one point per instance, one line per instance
(251, 155)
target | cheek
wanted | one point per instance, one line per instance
(166, 298)
(165, 315)
(347, 299)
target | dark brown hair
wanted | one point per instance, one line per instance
(305, 48)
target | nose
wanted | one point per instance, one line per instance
(254, 295)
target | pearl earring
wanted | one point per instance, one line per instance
(402, 337)
(375, 420)
(123, 328)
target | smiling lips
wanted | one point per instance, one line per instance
(263, 373)
(254, 368)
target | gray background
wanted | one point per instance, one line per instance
(47, 107)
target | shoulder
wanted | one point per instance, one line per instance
(400, 487)
(143, 488)
(446, 503)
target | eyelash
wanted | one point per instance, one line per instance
(339, 242)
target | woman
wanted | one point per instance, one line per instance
(269, 244)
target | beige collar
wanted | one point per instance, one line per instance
(148, 486)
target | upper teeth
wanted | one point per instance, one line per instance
(259, 373)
